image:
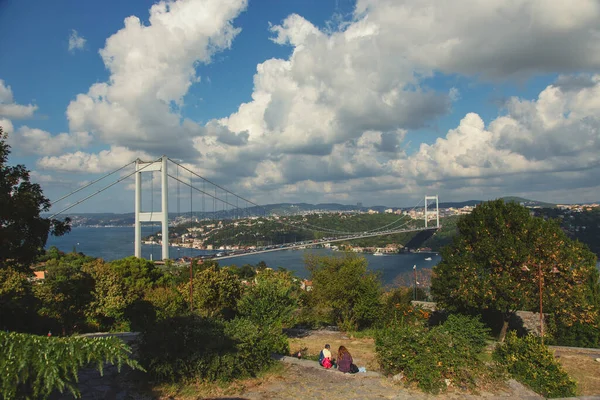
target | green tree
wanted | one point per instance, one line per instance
(215, 293)
(23, 231)
(65, 294)
(167, 302)
(271, 299)
(120, 286)
(17, 302)
(345, 286)
(494, 261)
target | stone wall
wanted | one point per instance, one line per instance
(112, 384)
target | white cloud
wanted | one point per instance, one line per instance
(76, 42)
(104, 161)
(329, 121)
(311, 114)
(492, 38)
(151, 69)
(7, 126)
(10, 109)
(37, 141)
(548, 141)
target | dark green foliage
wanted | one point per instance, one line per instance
(468, 329)
(429, 356)
(191, 348)
(35, 366)
(493, 264)
(65, 294)
(215, 293)
(397, 307)
(120, 289)
(271, 299)
(23, 232)
(445, 235)
(17, 302)
(247, 271)
(343, 286)
(574, 335)
(533, 364)
(167, 301)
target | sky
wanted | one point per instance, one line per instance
(374, 101)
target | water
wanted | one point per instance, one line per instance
(117, 242)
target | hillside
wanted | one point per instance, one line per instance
(281, 209)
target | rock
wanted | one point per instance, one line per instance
(398, 377)
(448, 382)
(597, 359)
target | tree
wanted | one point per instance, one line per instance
(272, 298)
(65, 294)
(23, 232)
(215, 293)
(344, 285)
(120, 289)
(494, 264)
(17, 301)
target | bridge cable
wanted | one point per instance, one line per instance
(101, 190)
(91, 183)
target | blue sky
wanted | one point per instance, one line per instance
(374, 101)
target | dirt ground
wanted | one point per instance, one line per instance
(582, 367)
(362, 350)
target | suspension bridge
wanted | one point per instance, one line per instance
(226, 206)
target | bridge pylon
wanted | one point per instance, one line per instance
(437, 210)
(161, 216)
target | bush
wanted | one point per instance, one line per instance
(193, 347)
(531, 362)
(35, 366)
(430, 356)
(470, 329)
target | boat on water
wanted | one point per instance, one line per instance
(428, 259)
(378, 254)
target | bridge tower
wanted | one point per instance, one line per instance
(437, 210)
(161, 216)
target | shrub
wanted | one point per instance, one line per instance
(35, 366)
(193, 347)
(531, 362)
(430, 356)
(467, 328)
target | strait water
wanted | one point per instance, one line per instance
(117, 242)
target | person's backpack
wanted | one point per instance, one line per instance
(327, 363)
(353, 368)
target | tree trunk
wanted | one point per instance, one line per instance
(503, 330)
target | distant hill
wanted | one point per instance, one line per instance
(528, 202)
(460, 204)
(127, 219)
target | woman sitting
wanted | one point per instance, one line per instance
(344, 361)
